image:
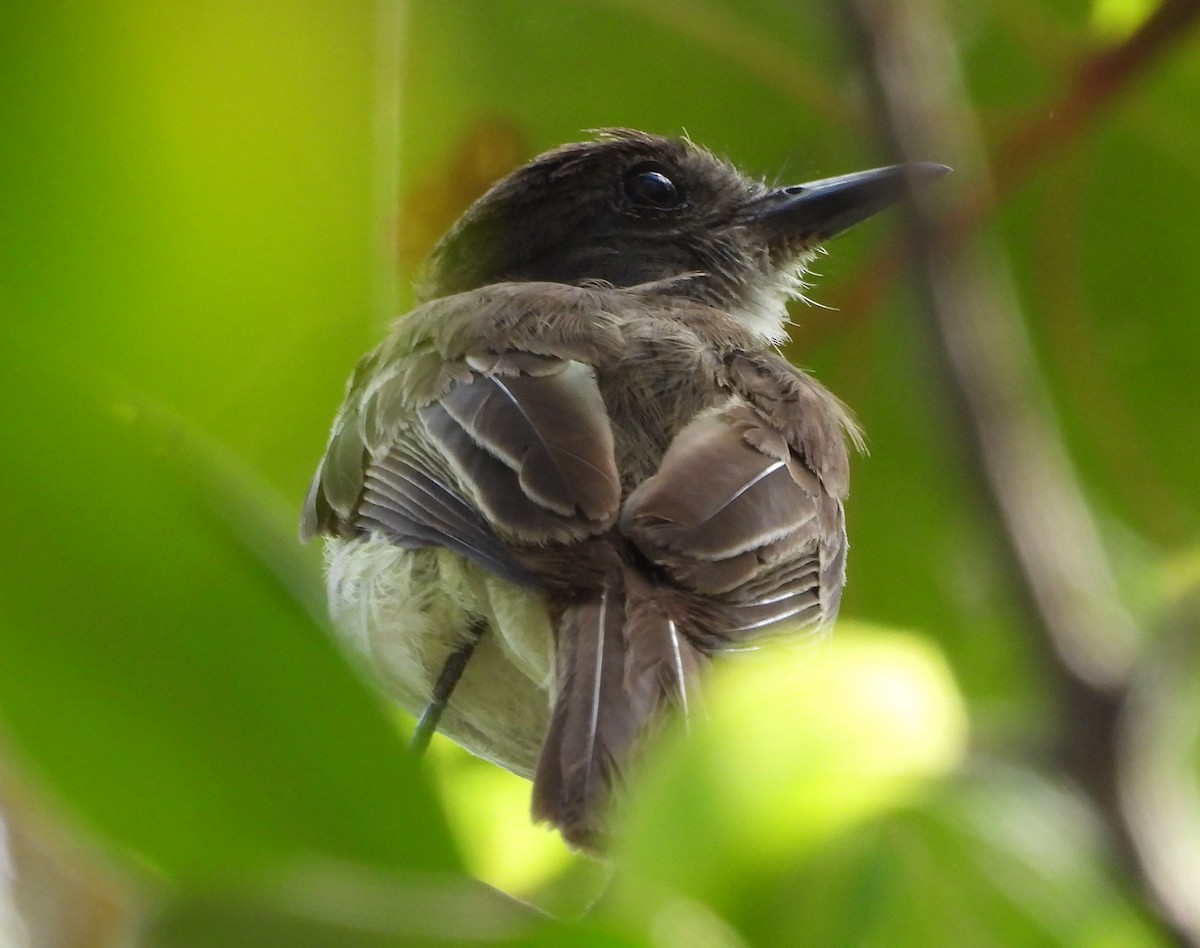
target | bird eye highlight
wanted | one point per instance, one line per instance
(650, 186)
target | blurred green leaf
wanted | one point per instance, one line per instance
(1000, 858)
(792, 750)
(206, 925)
(160, 678)
(346, 906)
(823, 805)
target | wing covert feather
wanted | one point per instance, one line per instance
(735, 513)
(552, 429)
(444, 441)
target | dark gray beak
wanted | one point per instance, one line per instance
(823, 209)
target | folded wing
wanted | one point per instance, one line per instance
(737, 515)
(478, 452)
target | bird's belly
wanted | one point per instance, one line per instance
(402, 612)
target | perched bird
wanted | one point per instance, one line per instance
(579, 469)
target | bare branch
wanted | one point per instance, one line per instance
(1006, 419)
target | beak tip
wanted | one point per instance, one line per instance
(823, 209)
(924, 171)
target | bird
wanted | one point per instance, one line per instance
(580, 469)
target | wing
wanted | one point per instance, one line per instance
(746, 507)
(477, 426)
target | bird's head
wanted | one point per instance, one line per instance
(631, 208)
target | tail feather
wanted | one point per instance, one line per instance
(661, 663)
(621, 658)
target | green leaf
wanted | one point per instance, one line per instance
(341, 907)
(159, 676)
(792, 750)
(997, 858)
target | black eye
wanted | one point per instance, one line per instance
(651, 186)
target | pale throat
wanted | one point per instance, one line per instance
(762, 308)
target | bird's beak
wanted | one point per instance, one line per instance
(819, 210)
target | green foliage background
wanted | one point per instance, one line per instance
(202, 208)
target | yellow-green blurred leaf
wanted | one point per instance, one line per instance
(792, 749)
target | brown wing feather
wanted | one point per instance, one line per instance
(404, 501)
(551, 429)
(443, 441)
(719, 509)
(534, 453)
(734, 513)
(814, 424)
